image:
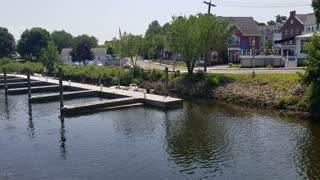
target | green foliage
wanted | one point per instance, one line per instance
(194, 36)
(214, 80)
(155, 39)
(237, 66)
(281, 19)
(284, 102)
(62, 39)
(4, 61)
(50, 56)
(31, 43)
(132, 46)
(272, 22)
(93, 41)
(155, 75)
(82, 51)
(269, 66)
(7, 43)
(268, 44)
(19, 67)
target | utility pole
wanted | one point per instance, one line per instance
(209, 12)
(209, 6)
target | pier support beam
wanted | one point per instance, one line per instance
(29, 84)
(61, 90)
(5, 81)
(166, 82)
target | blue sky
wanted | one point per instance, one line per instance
(102, 18)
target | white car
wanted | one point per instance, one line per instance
(133, 87)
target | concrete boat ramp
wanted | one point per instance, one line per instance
(112, 98)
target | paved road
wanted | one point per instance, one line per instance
(221, 69)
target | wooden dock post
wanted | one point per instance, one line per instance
(61, 89)
(166, 82)
(100, 75)
(54, 71)
(5, 81)
(29, 84)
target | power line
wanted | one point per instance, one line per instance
(259, 3)
(263, 6)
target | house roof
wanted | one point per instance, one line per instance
(246, 25)
(307, 19)
(66, 52)
(271, 27)
(99, 50)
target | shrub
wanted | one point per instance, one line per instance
(283, 102)
(155, 75)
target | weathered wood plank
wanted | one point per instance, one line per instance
(66, 95)
(96, 105)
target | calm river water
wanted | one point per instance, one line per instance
(204, 140)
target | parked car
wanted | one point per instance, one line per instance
(133, 87)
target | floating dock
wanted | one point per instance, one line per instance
(116, 98)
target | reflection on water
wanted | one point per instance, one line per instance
(204, 140)
(63, 140)
(31, 129)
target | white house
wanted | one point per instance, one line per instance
(99, 55)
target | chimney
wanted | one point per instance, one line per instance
(292, 13)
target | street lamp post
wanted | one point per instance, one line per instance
(253, 52)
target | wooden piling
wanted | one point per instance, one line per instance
(100, 75)
(5, 81)
(61, 90)
(166, 81)
(29, 84)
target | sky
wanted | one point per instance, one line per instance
(102, 18)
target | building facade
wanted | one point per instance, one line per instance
(99, 55)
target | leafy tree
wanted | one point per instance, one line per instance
(281, 19)
(112, 46)
(194, 36)
(261, 23)
(91, 39)
(316, 9)
(154, 28)
(62, 39)
(272, 22)
(268, 44)
(82, 52)
(132, 46)
(31, 43)
(50, 56)
(7, 43)
(312, 74)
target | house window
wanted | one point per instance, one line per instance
(297, 30)
(312, 29)
(214, 56)
(291, 21)
(290, 42)
(234, 41)
(252, 41)
(291, 31)
(98, 58)
(309, 29)
(286, 32)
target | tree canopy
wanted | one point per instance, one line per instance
(194, 36)
(272, 22)
(91, 39)
(132, 46)
(155, 39)
(62, 39)
(7, 43)
(50, 56)
(31, 43)
(281, 19)
(82, 51)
